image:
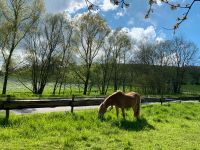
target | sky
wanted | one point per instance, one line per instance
(132, 18)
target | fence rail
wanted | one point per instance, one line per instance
(22, 104)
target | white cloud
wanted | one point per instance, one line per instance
(120, 14)
(71, 6)
(106, 6)
(160, 39)
(143, 35)
(74, 6)
(159, 3)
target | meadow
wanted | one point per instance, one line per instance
(170, 126)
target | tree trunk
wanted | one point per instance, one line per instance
(86, 82)
(5, 82)
(55, 87)
(103, 89)
(6, 73)
(85, 87)
(60, 87)
(40, 91)
(124, 85)
(115, 82)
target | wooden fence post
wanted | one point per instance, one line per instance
(72, 105)
(8, 98)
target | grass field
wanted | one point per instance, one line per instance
(173, 126)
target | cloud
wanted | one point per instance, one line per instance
(145, 35)
(142, 34)
(120, 14)
(106, 6)
(159, 3)
(160, 39)
(72, 6)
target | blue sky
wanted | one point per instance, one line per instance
(133, 18)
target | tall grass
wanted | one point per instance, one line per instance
(171, 126)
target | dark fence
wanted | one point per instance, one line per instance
(78, 102)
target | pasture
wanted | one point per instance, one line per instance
(170, 126)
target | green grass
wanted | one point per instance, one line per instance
(191, 89)
(171, 126)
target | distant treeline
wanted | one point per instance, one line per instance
(147, 79)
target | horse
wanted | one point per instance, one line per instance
(121, 100)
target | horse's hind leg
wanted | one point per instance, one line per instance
(123, 113)
(135, 113)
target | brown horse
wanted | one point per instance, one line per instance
(121, 100)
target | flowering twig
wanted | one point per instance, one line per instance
(173, 6)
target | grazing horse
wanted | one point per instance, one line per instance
(121, 100)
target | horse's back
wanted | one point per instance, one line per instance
(129, 99)
(133, 94)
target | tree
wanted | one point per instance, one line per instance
(43, 44)
(144, 57)
(65, 58)
(104, 69)
(125, 60)
(18, 17)
(162, 68)
(183, 53)
(120, 42)
(92, 30)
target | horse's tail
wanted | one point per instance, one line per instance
(137, 107)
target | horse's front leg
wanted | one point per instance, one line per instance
(123, 113)
(117, 111)
(111, 107)
(133, 112)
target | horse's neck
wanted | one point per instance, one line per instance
(110, 100)
(107, 102)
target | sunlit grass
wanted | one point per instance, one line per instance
(171, 126)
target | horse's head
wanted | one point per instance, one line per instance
(102, 110)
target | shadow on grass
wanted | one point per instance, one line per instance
(4, 122)
(136, 125)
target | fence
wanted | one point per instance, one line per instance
(79, 102)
